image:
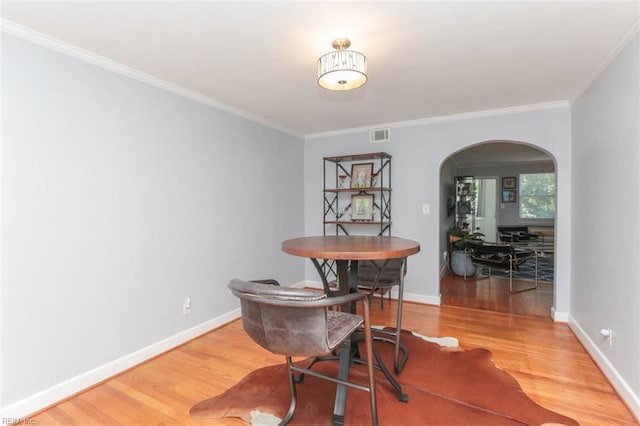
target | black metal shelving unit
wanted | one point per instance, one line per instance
(337, 197)
(338, 190)
(465, 207)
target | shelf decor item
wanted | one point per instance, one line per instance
(361, 175)
(465, 203)
(342, 181)
(465, 189)
(362, 207)
(374, 179)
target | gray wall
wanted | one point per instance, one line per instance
(418, 153)
(606, 244)
(118, 200)
(447, 190)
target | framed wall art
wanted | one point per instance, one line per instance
(508, 195)
(509, 182)
(361, 175)
(362, 207)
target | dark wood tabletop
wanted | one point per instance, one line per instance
(351, 247)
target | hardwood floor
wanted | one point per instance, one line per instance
(545, 357)
(493, 294)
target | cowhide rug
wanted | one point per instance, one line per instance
(445, 386)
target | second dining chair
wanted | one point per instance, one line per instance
(381, 276)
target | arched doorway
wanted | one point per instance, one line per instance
(495, 186)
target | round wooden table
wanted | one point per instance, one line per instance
(347, 250)
(351, 247)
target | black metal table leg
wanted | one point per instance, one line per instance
(343, 374)
(347, 275)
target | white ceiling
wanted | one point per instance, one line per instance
(426, 59)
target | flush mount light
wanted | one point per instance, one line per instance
(342, 69)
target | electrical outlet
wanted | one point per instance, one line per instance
(186, 306)
(607, 333)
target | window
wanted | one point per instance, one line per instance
(537, 196)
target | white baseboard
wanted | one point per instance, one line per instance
(66, 389)
(74, 385)
(418, 298)
(303, 284)
(559, 316)
(70, 387)
(309, 283)
(617, 381)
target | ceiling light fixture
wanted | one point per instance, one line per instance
(342, 69)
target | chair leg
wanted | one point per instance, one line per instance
(398, 364)
(368, 339)
(294, 394)
(512, 291)
(402, 397)
(510, 279)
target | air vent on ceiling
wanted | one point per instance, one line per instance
(379, 135)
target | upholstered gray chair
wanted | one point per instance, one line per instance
(299, 322)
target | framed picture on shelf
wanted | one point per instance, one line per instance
(362, 207)
(509, 182)
(508, 195)
(361, 175)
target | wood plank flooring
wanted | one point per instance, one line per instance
(545, 357)
(493, 294)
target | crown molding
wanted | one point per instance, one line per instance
(446, 118)
(508, 163)
(68, 49)
(621, 44)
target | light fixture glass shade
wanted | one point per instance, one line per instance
(342, 70)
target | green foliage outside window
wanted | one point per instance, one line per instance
(537, 196)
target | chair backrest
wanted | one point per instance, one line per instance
(504, 256)
(368, 270)
(483, 248)
(283, 320)
(495, 255)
